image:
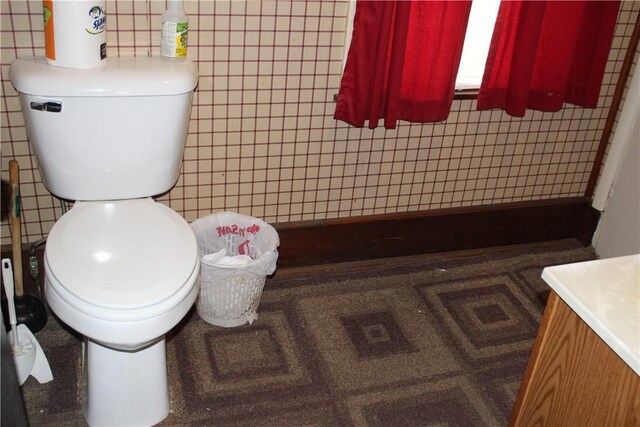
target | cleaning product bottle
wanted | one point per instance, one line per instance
(175, 26)
(75, 33)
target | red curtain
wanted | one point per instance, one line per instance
(546, 53)
(403, 61)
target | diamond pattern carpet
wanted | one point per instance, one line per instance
(423, 341)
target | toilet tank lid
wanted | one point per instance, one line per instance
(120, 76)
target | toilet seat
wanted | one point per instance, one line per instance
(122, 260)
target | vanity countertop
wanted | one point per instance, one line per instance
(605, 294)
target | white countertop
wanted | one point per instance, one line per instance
(606, 295)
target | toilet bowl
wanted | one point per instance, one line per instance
(122, 273)
(120, 268)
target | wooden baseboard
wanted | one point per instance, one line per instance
(308, 243)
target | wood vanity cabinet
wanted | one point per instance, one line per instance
(574, 378)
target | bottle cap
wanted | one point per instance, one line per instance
(175, 5)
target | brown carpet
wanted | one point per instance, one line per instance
(434, 340)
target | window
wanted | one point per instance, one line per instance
(476, 43)
(476, 46)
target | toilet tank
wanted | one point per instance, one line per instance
(116, 132)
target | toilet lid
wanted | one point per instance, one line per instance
(122, 254)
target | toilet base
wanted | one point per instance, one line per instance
(125, 388)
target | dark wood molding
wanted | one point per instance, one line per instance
(315, 243)
(385, 236)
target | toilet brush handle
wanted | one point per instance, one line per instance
(16, 232)
(7, 278)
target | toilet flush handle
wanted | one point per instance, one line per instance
(51, 106)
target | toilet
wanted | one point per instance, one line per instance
(120, 268)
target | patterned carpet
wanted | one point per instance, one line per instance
(434, 340)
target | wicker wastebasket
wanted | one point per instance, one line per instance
(237, 252)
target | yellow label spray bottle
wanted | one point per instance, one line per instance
(175, 27)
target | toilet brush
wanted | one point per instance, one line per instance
(28, 357)
(7, 277)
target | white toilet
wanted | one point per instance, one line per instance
(121, 269)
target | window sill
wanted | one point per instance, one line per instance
(464, 94)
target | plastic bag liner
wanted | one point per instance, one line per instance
(237, 253)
